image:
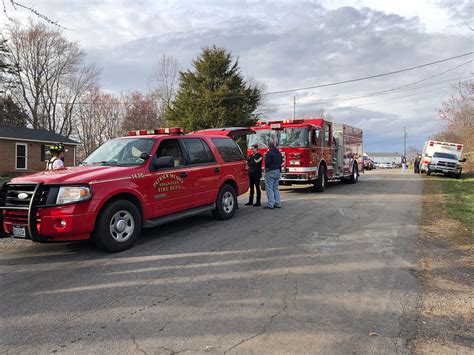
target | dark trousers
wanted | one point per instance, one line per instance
(417, 167)
(255, 185)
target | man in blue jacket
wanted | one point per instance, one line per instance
(273, 161)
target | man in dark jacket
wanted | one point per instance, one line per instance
(273, 161)
(255, 173)
(416, 164)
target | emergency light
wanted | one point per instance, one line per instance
(168, 130)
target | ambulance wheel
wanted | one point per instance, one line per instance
(118, 226)
(355, 174)
(226, 203)
(320, 183)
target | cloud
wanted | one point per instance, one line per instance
(287, 45)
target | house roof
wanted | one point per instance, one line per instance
(34, 135)
(388, 154)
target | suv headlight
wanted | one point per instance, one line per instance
(68, 194)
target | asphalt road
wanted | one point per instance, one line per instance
(329, 273)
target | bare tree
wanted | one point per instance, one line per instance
(141, 112)
(15, 5)
(50, 75)
(164, 83)
(99, 119)
(458, 115)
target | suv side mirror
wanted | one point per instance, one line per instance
(463, 160)
(164, 162)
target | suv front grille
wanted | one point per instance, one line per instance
(446, 164)
(14, 191)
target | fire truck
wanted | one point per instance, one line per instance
(314, 151)
(145, 179)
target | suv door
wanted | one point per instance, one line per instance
(169, 190)
(204, 169)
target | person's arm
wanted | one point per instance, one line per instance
(258, 158)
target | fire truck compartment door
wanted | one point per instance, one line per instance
(233, 132)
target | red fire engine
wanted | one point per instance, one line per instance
(143, 180)
(314, 151)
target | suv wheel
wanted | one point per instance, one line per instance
(226, 203)
(428, 172)
(118, 226)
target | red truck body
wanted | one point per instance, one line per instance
(314, 150)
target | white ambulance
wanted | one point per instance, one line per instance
(442, 157)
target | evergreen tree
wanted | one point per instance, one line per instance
(214, 94)
(11, 115)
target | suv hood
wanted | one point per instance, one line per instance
(76, 175)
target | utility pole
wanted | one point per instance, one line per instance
(294, 107)
(405, 141)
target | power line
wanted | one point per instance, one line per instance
(369, 77)
(377, 93)
(310, 87)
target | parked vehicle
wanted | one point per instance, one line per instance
(143, 180)
(368, 163)
(443, 165)
(387, 165)
(314, 151)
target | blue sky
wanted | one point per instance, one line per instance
(291, 44)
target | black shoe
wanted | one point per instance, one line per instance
(268, 208)
(277, 206)
(257, 205)
(249, 204)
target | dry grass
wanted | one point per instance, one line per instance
(445, 248)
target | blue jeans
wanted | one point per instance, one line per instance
(272, 182)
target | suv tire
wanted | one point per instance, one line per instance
(226, 203)
(118, 226)
(320, 183)
(428, 172)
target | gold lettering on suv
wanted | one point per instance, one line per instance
(168, 182)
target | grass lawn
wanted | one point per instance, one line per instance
(459, 199)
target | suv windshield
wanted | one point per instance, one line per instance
(123, 151)
(287, 137)
(444, 155)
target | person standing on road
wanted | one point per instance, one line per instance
(404, 164)
(273, 161)
(416, 164)
(255, 174)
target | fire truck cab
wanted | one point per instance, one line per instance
(145, 179)
(314, 151)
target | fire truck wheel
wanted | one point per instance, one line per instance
(355, 174)
(320, 183)
(118, 226)
(226, 203)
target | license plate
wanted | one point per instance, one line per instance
(19, 232)
(445, 171)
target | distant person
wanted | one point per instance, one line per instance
(57, 157)
(416, 164)
(404, 164)
(255, 173)
(273, 161)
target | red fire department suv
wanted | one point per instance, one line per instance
(142, 180)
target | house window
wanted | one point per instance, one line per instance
(43, 152)
(21, 156)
